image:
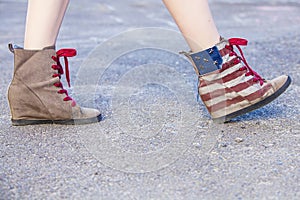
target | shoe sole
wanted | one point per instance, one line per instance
(267, 100)
(24, 122)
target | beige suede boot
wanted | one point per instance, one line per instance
(36, 95)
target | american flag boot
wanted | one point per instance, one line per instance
(228, 86)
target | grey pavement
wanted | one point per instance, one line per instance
(157, 141)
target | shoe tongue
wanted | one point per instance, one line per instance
(221, 45)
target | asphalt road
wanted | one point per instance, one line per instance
(157, 141)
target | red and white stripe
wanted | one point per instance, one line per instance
(229, 89)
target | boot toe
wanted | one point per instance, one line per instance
(82, 115)
(280, 82)
(90, 112)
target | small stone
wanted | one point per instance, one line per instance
(223, 144)
(279, 162)
(239, 140)
(268, 145)
(197, 145)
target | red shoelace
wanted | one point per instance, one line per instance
(237, 42)
(63, 53)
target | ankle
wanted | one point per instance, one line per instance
(38, 46)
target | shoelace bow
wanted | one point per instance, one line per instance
(242, 42)
(63, 53)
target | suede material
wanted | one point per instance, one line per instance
(32, 95)
(84, 113)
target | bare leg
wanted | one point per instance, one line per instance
(195, 21)
(43, 21)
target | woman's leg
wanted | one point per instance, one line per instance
(43, 22)
(195, 21)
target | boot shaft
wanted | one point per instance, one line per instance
(33, 66)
